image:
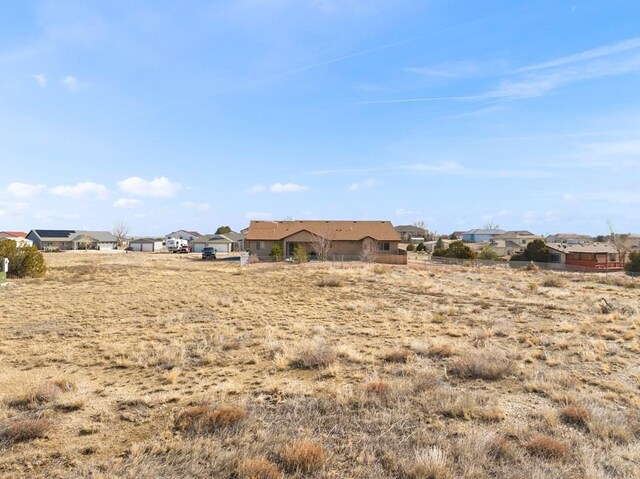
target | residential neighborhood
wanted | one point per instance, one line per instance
(376, 241)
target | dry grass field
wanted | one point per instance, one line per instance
(148, 366)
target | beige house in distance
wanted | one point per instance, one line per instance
(511, 242)
(348, 238)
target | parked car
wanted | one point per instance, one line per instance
(129, 248)
(183, 249)
(209, 253)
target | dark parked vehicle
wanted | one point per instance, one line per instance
(209, 253)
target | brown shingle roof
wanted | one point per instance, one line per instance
(333, 230)
(583, 248)
(17, 234)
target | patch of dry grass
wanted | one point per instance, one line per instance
(206, 419)
(218, 378)
(547, 447)
(303, 456)
(22, 430)
(488, 365)
(258, 468)
(313, 355)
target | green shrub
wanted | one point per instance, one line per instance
(421, 247)
(456, 249)
(24, 261)
(536, 251)
(487, 253)
(410, 247)
(276, 252)
(300, 254)
(633, 266)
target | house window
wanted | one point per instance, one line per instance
(554, 258)
(384, 246)
(259, 245)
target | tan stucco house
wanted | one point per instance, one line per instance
(347, 238)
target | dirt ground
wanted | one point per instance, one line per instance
(157, 365)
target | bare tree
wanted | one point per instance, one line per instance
(369, 250)
(120, 231)
(321, 244)
(419, 224)
(491, 226)
(619, 243)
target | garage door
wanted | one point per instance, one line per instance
(147, 247)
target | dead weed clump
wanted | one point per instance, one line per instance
(552, 281)
(314, 355)
(485, 365)
(379, 387)
(45, 392)
(400, 355)
(257, 468)
(546, 446)
(23, 430)
(303, 456)
(457, 405)
(575, 415)
(330, 282)
(206, 419)
(431, 463)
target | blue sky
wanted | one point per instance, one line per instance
(176, 114)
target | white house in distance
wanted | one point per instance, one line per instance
(183, 234)
(223, 243)
(18, 236)
(147, 245)
(73, 239)
(512, 242)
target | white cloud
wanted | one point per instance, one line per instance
(603, 51)
(401, 212)
(126, 203)
(450, 167)
(366, 184)
(196, 206)
(24, 190)
(256, 189)
(70, 82)
(40, 79)
(257, 215)
(13, 206)
(160, 187)
(80, 190)
(287, 188)
(47, 215)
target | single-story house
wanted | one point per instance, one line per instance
(481, 235)
(410, 233)
(147, 245)
(512, 242)
(430, 246)
(590, 256)
(223, 243)
(18, 236)
(220, 242)
(73, 239)
(183, 234)
(569, 238)
(337, 238)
